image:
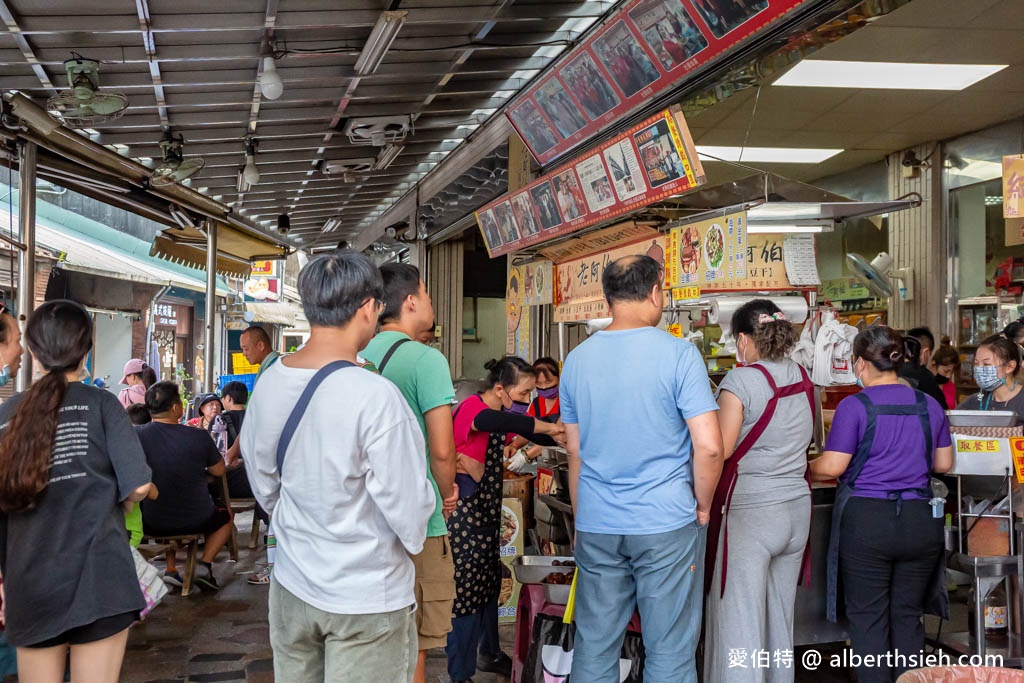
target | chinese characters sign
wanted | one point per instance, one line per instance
(264, 283)
(579, 295)
(1013, 186)
(651, 161)
(648, 47)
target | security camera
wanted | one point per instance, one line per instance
(391, 232)
(284, 224)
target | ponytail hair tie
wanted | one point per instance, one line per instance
(765, 318)
(895, 355)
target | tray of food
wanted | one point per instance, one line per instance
(544, 569)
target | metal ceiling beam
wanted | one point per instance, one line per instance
(145, 24)
(292, 20)
(23, 45)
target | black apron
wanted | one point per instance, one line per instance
(474, 533)
(938, 601)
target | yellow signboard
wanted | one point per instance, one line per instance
(977, 445)
(1017, 449)
(680, 294)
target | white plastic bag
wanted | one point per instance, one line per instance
(150, 581)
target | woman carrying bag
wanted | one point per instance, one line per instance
(887, 540)
(766, 411)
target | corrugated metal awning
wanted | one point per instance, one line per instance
(235, 249)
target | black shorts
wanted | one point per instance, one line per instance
(219, 518)
(90, 633)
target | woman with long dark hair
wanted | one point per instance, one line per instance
(70, 466)
(482, 423)
(886, 544)
(766, 411)
(997, 372)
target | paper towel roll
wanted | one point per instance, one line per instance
(723, 307)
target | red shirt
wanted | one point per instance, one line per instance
(538, 406)
(469, 442)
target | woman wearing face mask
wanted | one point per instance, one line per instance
(545, 407)
(767, 418)
(887, 542)
(997, 372)
(481, 424)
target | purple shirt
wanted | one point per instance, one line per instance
(897, 459)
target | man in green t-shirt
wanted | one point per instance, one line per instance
(421, 373)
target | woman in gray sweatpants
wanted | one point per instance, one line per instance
(767, 423)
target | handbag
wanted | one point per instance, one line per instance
(150, 581)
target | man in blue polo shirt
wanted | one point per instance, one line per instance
(645, 455)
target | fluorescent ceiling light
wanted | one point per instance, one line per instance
(781, 229)
(783, 212)
(766, 155)
(377, 45)
(823, 73)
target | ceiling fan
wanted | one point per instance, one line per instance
(84, 105)
(174, 168)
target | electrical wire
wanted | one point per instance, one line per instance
(279, 53)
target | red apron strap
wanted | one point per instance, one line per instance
(726, 483)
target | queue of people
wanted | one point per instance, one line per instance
(386, 499)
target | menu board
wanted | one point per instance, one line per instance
(644, 49)
(513, 531)
(651, 161)
(579, 294)
(718, 254)
(711, 254)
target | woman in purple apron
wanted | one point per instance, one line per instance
(761, 513)
(887, 541)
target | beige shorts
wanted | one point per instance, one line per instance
(435, 592)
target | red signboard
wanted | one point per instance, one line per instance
(651, 161)
(647, 48)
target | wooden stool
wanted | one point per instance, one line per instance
(244, 505)
(164, 543)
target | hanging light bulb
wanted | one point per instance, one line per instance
(250, 173)
(270, 82)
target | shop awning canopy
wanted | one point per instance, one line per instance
(89, 247)
(235, 250)
(772, 198)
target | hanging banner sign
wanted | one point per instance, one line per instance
(649, 162)
(1013, 186)
(648, 47)
(718, 255)
(538, 283)
(579, 294)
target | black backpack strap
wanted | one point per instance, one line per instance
(300, 408)
(391, 352)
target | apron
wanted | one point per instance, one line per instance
(473, 530)
(730, 473)
(938, 600)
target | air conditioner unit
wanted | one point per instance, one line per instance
(348, 169)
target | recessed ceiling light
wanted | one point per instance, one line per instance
(823, 73)
(766, 155)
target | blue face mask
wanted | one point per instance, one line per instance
(987, 377)
(5, 375)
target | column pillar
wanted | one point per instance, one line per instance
(917, 239)
(27, 258)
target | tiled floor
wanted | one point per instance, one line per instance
(224, 637)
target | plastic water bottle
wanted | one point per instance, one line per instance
(219, 431)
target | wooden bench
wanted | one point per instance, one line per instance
(245, 505)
